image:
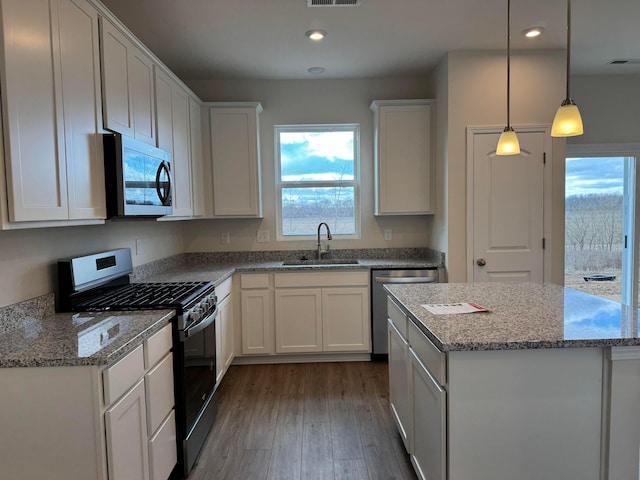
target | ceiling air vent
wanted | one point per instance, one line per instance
(333, 3)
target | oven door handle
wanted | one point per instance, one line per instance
(199, 326)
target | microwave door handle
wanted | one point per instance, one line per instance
(164, 198)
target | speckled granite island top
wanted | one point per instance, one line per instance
(521, 316)
(66, 339)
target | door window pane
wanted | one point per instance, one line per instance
(594, 225)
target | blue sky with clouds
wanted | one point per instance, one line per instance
(585, 176)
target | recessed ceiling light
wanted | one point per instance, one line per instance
(315, 70)
(316, 35)
(533, 32)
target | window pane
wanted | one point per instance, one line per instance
(304, 208)
(594, 225)
(316, 156)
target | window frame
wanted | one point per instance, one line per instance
(355, 183)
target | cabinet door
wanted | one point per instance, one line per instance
(164, 111)
(224, 334)
(403, 159)
(158, 384)
(197, 165)
(116, 91)
(126, 426)
(181, 160)
(162, 449)
(127, 79)
(143, 102)
(172, 125)
(257, 323)
(82, 99)
(235, 162)
(428, 429)
(32, 112)
(346, 320)
(398, 349)
(298, 320)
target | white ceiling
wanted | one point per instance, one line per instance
(200, 39)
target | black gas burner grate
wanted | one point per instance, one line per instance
(145, 295)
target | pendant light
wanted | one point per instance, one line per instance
(508, 143)
(568, 121)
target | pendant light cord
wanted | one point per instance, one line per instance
(568, 44)
(509, 63)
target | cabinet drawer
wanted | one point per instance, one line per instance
(162, 449)
(397, 317)
(428, 353)
(224, 289)
(159, 393)
(123, 375)
(157, 346)
(321, 279)
(260, 280)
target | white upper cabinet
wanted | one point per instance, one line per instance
(235, 155)
(403, 157)
(51, 111)
(127, 79)
(198, 184)
(173, 127)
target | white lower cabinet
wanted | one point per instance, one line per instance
(398, 349)
(298, 320)
(346, 324)
(162, 449)
(225, 350)
(126, 428)
(91, 422)
(499, 414)
(256, 314)
(305, 312)
(428, 422)
(322, 312)
(140, 425)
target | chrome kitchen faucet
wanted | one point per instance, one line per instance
(320, 251)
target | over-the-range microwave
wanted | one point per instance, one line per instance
(137, 178)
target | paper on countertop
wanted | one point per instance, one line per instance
(450, 308)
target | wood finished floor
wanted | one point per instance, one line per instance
(324, 421)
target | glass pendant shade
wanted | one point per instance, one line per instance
(508, 143)
(568, 121)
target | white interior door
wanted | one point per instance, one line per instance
(506, 208)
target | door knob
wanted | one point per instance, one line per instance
(481, 262)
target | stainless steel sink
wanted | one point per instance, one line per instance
(312, 262)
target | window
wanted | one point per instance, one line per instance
(317, 179)
(601, 229)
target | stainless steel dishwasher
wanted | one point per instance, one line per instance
(379, 301)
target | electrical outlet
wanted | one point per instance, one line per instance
(388, 234)
(224, 238)
(139, 247)
(263, 236)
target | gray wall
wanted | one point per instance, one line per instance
(311, 102)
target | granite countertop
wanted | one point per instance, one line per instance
(66, 339)
(218, 272)
(521, 316)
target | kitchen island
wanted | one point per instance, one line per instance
(545, 385)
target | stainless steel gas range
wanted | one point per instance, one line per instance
(102, 282)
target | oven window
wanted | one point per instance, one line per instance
(200, 371)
